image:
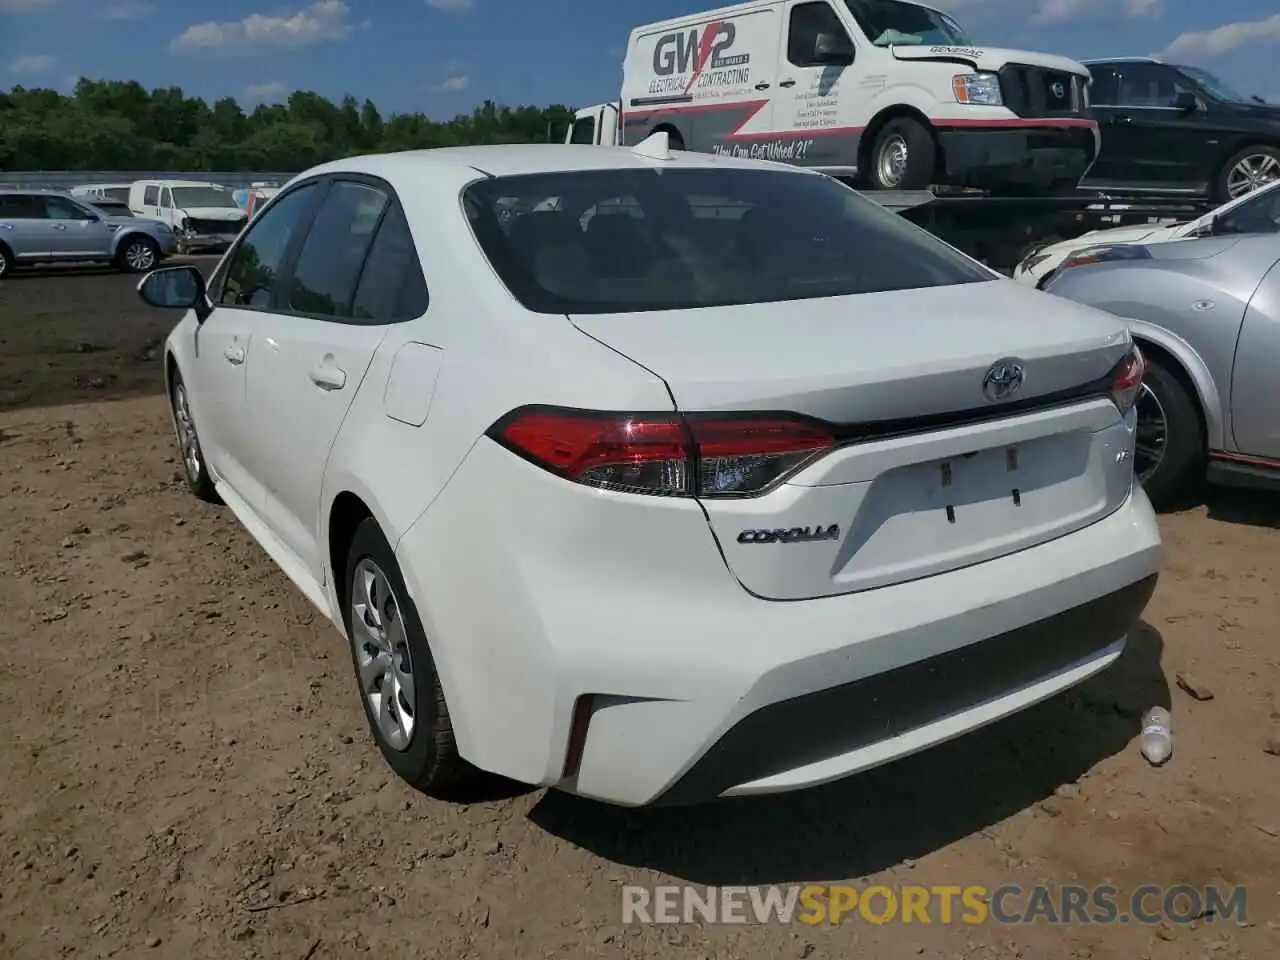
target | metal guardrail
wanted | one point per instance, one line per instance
(66, 179)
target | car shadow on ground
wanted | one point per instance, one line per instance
(901, 811)
(1252, 508)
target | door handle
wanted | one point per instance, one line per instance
(328, 377)
(59, 226)
(6, 226)
(786, 83)
(762, 86)
(1121, 118)
(234, 354)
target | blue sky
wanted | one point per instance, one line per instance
(445, 56)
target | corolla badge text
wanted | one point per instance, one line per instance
(791, 535)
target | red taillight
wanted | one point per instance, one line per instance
(1128, 380)
(663, 454)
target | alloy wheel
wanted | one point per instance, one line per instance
(187, 439)
(383, 661)
(1152, 434)
(139, 256)
(1254, 171)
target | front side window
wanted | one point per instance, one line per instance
(324, 281)
(1213, 86)
(166, 199)
(250, 279)
(1259, 214)
(807, 22)
(151, 196)
(890, 21)
(651, 242)
(186, 198)
(584, 131)
(1149, 85)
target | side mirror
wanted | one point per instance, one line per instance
(176, 288)
(1186, 102)
(832, 49)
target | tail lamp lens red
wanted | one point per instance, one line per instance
(661, 454)
(1128, 380)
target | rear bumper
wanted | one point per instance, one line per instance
(800, 740)
(543, 601)
(1023, 156)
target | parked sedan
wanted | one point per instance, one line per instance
(40, 226)
(650, 506)
(1206, 314)
(1257, 212)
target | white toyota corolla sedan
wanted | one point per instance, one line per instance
(658, 476)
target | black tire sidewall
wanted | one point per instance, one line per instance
(417, 763)
(9, 263)
(202, 484)
(1221, 193)
(1183, 466)
(922, 154)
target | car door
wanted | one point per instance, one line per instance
(243, 290)
(22, 226)
(150, 202)
(310, 358)
(807, 106)
(75, 231)
(1255, 416)
(1147, 141)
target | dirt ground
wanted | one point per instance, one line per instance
(186, 770)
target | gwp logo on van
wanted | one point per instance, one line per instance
(695, 50)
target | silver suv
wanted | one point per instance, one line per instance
(43, 226)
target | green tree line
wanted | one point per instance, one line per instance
(120, 125)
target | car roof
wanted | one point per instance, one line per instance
(29, 191)
(514, 159)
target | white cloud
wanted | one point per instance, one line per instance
(1062, 11)
(322, 21)
(32, 63)
(451, 4)
(457, 82)
(270, 92)
(126, 10)
(1213, 43)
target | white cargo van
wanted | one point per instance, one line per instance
(205, 216)
(890, 93)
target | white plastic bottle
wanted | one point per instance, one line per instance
(1157, 736)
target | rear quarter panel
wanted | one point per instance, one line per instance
(1193, 310)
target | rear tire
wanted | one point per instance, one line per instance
(1253, 165)
(7, 263)
(1180, 466)
(904, 156)
(400, 690)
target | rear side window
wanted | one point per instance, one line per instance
(614, 241)
(324, 280)
(19, 206)
(392, 286)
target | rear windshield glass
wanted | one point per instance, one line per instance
(612, 241)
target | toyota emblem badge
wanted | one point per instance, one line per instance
(1003, 379)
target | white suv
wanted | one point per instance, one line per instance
(656, 476)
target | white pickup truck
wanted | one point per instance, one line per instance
(888, 93)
